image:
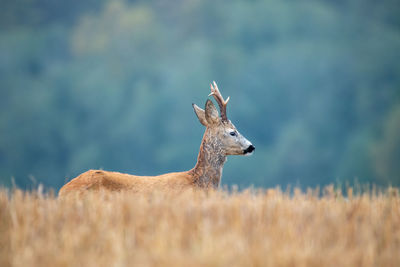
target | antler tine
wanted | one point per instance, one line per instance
(220, 100)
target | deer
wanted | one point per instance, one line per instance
(220, 139)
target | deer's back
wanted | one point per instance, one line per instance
(96, 180)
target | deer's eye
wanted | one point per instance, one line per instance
(233, 133)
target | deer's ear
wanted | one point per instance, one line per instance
(211, 113)
(201, 114)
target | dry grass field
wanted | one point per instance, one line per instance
(250, 228)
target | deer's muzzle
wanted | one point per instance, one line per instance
(249, 150)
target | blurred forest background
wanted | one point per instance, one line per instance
(314, 84)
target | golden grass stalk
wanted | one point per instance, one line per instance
(249, 228)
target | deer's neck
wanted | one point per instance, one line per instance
(210, 162)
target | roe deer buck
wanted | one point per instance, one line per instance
(220, 139)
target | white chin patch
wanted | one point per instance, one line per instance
(248, 153)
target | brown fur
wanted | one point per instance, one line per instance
(96, 180)
(215, 146)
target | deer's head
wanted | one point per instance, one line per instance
(221, 130)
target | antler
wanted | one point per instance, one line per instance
(220, 100)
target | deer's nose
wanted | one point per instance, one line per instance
(250, 149)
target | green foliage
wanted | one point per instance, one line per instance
(386, 152)
(93, 84)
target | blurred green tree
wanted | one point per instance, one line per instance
(108, 84)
